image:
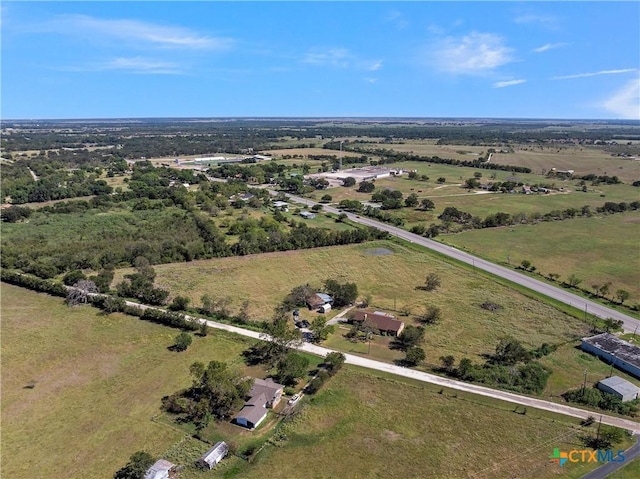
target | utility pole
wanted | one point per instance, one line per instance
(584, 384)
(341, 142)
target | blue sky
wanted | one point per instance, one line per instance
(390, 59)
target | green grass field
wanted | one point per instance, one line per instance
(597, 249)
(362, 425)
(582, 159)
(86, 388)
(97, 383)
(465, 331)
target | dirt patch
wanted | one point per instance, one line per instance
(391, 435)
(377, 251)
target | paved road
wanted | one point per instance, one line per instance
(432, 378)
(629, 324)
(606, 469)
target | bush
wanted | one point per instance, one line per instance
(182, 342)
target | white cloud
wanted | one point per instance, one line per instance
(548, 21)
(335, 57)
(371, 80)
(397, 19)
(475, 53)
(548, 46)
(593, 74)
(340, 58)
(502, 84)
(130, 64)
(149, 33)
(625, 103)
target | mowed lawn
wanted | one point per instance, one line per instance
(361, 425)
(391, 280)
(97, 382)
(598, 249)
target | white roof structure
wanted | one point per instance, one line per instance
(620, 385)
(159, 470)
(214, 455)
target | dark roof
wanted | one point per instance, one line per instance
(617, 347)
(251, 413)
(317, 300)
(379, 320)
(267, 387)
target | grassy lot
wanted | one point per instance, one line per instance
(363, 425)
(465, 331)
(597, 249)
(629, 471)
(98, 381)
(581, 159)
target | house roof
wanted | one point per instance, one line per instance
(252, 414)
(215, 453)
(259, 399)
(379, 320)
(319, 299)
(268, 387)
(620, 385)
(159, 470)
(617, 347)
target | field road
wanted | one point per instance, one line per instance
(629, 324)
(432, 378)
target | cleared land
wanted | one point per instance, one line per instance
(466, 329)
(581, 159)
(397, 429)
(598, 249)
(97, 383)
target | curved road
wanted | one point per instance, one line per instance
(629, 324)
(432, 378)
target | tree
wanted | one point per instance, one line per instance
(316, 208)
(320, 329)
(138, 464)
(604, 289)
(526, 264)
(180, 303)
(182, 341)
(414, 356)
(326, 199)
(431, 315)
(204, 329)
(334, 361)
(447, 362)
(411, 201)
(573, 280)
(471, 183)
(432, 282)
(410, 337)
(510, 351)
(291, 367)
(349, 181)
(366, 187)
(343, 294)
(72, 277)
(441, 180)
(622, 295)
(611, 324)
(280, 339)
(427, 204)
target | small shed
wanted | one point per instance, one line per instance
(619, 387)
(214, 455)
(307, 215)
(325, 308)
(161, 469)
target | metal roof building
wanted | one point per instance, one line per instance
(620, 388)
(620, 353)
(214, 455)
(161, 469)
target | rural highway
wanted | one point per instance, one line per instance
(431, 378)
(629, 324)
